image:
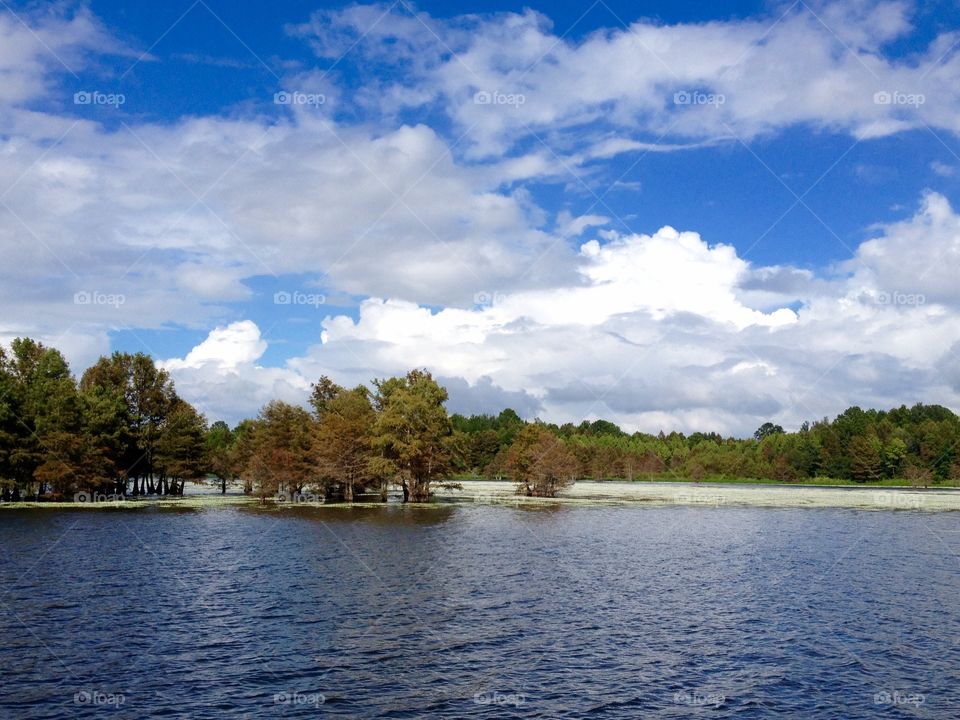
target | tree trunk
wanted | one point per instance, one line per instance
(406, 492)
(419, 491)
(223, 486)
(348, 492)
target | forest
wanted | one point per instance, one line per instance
(121, 430)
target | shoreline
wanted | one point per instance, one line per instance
(721, 495)
(586, 493)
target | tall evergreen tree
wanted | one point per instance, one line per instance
(411, 433)
(344, 441)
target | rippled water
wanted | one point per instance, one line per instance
(479, 611)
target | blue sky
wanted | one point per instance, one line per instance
(671, 215)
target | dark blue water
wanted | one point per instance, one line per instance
(480, 611)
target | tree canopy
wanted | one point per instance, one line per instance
(124, 430)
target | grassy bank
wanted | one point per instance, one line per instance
(141, 503)
(748, 494)
(650, 492)
(732, 480)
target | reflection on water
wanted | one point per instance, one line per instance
(464, 610)
(391, 514)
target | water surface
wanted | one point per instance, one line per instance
(479, 611)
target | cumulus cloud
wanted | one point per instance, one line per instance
(655, 334)
(204, 204)
(915, 257)
(226, 348)
(222, 378)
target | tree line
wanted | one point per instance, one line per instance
(122, 430)
(918, 445)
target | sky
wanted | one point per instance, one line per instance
(675, 216)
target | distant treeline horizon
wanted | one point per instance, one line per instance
(121, 429)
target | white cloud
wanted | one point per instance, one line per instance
(943, 169)
(457, 266)
(816, 63)
(35, 43)
(919, 256)
(657, 334)
(377, 214)
(222, 378)
(569, 226)
(225, 347)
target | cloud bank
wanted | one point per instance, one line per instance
(411, 191)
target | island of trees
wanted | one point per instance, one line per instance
(122, 430)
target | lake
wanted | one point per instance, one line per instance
(471, 610)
